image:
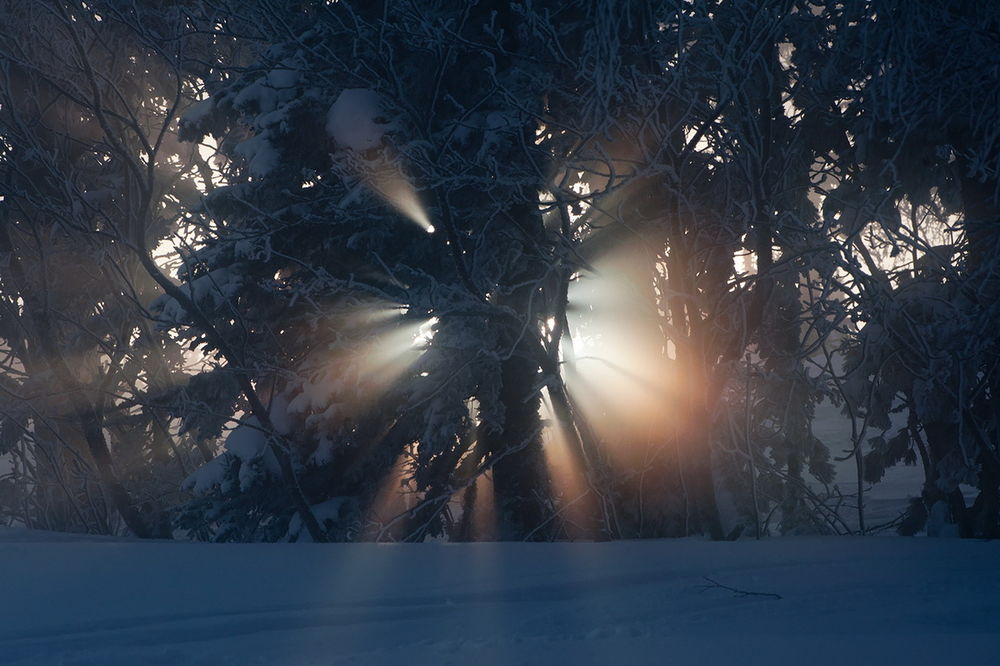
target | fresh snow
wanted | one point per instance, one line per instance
(260, 154)
(248, 443)
(352, 118)
(884, 600)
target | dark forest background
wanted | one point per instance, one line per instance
(411, 269)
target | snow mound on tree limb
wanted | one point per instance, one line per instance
(246, 443)
(353, 120)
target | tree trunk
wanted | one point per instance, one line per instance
(520, 481)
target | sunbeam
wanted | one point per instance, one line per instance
(619, 373)
(377, 346)
(569, 479)
(395, 189)
(356, 122)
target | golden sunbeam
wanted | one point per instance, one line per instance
(388, 355)
(356, 123)
(484, 518)
(621, 375)
(398, 192)
(375, 348)
(386, 519)
(385, 345)
(578, 504)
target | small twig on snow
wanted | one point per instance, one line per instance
(737, 592)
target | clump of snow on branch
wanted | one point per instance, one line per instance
(353, 120)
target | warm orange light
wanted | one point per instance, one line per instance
(576, 500)
(387, 520)
(621, 375)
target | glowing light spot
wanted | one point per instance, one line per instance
(425, 333)
(396, 190)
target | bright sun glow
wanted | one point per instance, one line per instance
(374, 348)
(618, 370)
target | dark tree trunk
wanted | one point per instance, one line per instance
(984, 514)
(520, 479)
(941, 439)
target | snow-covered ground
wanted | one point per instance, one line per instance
(78, 601)
(874, 600)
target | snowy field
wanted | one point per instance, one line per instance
(874, 600)
(76, 601)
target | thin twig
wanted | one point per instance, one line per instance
(736, 592)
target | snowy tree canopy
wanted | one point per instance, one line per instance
(529, 271)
